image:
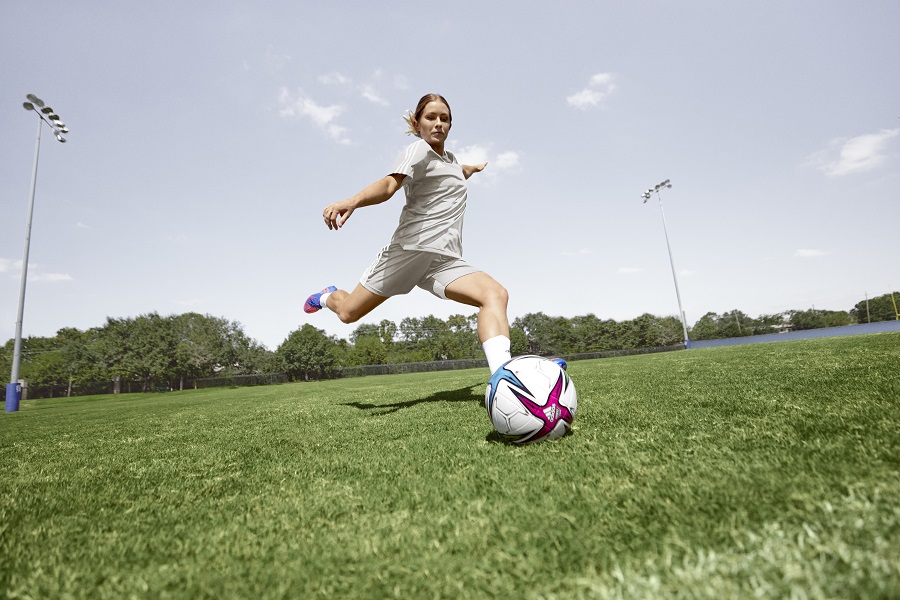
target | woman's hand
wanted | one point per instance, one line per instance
(336, 214)
(469, 170)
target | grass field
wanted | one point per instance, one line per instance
(763, 471)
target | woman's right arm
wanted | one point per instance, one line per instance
(337, 213)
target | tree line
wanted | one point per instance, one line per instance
(170, 352)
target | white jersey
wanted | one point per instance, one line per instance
(432, 219)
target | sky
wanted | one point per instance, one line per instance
(206, 137)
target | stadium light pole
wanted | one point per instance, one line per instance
(646, 196)
(45, 115)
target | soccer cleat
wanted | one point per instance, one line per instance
(312, 303)
(559, 361)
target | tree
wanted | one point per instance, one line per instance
(881, 308)
(411, 330)
(769, 323)
(79, 355)
(42, 363)
(209, 346)
(464, 331)
(435, 340)
(818, 319)
(152, 349)
(735, 323)
(590, 334)
(200, 347)
(308, 353)
(706, 328)
(114, 349)
(546, 335)
(650, 331)
(387, 332)
(518, 341)
(368, 350)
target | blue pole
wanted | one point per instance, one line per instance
(13, 394)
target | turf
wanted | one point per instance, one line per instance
(768, 470)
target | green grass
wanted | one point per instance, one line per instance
(768, 470)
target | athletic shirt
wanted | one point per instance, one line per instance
(432, 219)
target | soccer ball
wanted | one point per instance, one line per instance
(531, 399)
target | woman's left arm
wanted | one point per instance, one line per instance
(469, 170)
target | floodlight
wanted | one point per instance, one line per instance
(646, 195)
(45, 115)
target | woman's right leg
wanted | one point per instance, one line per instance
(353, 306)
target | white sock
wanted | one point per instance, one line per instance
(322, 300)
(497, 352)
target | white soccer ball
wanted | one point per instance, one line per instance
(531, 399)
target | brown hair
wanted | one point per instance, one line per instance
(412, 118)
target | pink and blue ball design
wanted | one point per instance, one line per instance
(552, 416)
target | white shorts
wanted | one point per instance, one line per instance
(397, 271)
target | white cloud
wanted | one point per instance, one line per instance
(275, 60)
(192, 302)
(372, 95)
(367, 90)
(854, 155)
(810, 253)
(599, 87)
(49, 277)
(629, 270)
(304, 107)
(35, 272)
(582, 252)
(334, 79)
(400, 82)
(507, 160)
(471, 155)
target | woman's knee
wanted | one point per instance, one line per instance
(350, 308)
(496, 295)
(348, 317)
(350, 314)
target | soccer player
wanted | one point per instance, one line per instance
(426, 248)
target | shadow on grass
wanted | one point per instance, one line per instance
(463, 394)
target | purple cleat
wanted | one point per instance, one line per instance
(312, 303)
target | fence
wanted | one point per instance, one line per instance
(109, 387)
(416, 367)
(879, 327)
(240, 380)
(477, 363)
(94, 388)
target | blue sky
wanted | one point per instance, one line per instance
(207, 136)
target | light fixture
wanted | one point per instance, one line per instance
(14, 389)
(646, 196)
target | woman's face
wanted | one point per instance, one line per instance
(434, 125)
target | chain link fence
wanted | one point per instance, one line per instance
(480, 363)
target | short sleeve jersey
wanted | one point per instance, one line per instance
(432, 219)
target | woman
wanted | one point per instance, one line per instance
(426, 249)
